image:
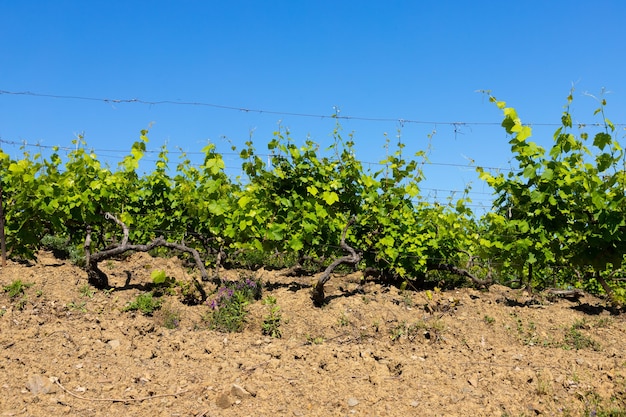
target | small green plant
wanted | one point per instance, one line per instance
(376, 325)
(16, 288)
(575, 339)
(2, 311)
(527, 334)
(407, 300)
(489, 320)
(146, 303)
(272, 321)
(431, 330)
(544, 386)
(61, 248)
(604, 322)
(343, 320)
(38, 293)
(595, 406)
(314, 340)
(397, 331)
(79, 306)
(189, 292)
(169, 317)
(20, 303)
(228, 305)
(86, 291)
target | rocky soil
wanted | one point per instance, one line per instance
(373, 350)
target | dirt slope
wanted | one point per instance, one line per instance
(372, 351)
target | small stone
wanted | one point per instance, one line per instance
(38, 384)
(114, 343)
(252, 388)
(414, 403)
(352, 402)
(223, 400)
(239, 391)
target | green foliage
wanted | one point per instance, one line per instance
(158, 277)
(16, 288)
(146, 303)
(565, 206)
(78, 306)
(61, 248)
(559, 218)
(228, 305)
(169, 317)
(576, 339)
(86, 291)
(272, 321)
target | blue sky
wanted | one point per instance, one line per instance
(397, 60)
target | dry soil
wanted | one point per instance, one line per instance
(373, 350)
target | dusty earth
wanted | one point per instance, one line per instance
(372, 351)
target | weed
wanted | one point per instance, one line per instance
(430, 330)
(61, 248)
(20, 304)
(544, 386)
(575, 339)
(16, 288)
(314, 340)
(228, 305)
(271, 322)
(169, 317)
(2, 311)
(604, 322)
(489, 320)
(397, 331)
(189, 293)
(527, 334)
(376, 325)
(343, 320)
(594, 406)
(86, 291)
(407, 299)
(77, 306)
(146, 303)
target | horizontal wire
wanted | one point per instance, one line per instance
(275, 112)
(96, 150)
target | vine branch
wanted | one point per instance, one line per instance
(352, 258)
(99, 279)
(117, 400)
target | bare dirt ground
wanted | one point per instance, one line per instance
(373, 352)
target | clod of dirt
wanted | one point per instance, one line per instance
(223, 400)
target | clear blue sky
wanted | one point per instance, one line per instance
(411, 60)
